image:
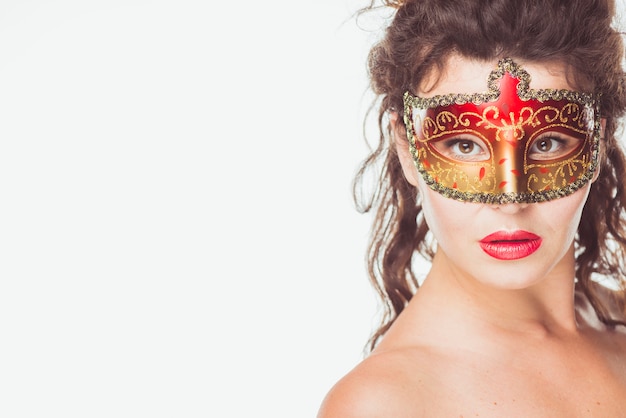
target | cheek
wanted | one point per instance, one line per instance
(444, 217)
(565, 213)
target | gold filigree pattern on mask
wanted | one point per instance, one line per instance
(507, 119)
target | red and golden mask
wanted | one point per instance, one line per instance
(510, 144)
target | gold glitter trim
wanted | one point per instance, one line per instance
(525, 93)
(506, 65)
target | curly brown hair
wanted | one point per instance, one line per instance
(419, 38)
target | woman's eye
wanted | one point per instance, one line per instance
(552, 146)
(545, 145)
(466, 147)
(462, 149)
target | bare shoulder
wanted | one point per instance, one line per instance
(380, 386)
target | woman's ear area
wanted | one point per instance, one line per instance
(401, 143)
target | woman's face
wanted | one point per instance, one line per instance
(504, 245)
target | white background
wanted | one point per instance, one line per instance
(177, 235)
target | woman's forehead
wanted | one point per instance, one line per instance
(466, 75)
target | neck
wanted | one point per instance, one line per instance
(531, 305)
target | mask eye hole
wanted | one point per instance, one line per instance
(553, 145)
(464, 148)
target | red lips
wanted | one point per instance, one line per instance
(514, 245)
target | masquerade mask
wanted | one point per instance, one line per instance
(510, 144)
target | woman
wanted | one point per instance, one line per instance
(498, 121)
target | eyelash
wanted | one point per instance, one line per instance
(450, 148)
(555, 139)
(560, 145)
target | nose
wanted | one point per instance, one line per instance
(510, 208)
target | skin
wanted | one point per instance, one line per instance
(486, 337)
